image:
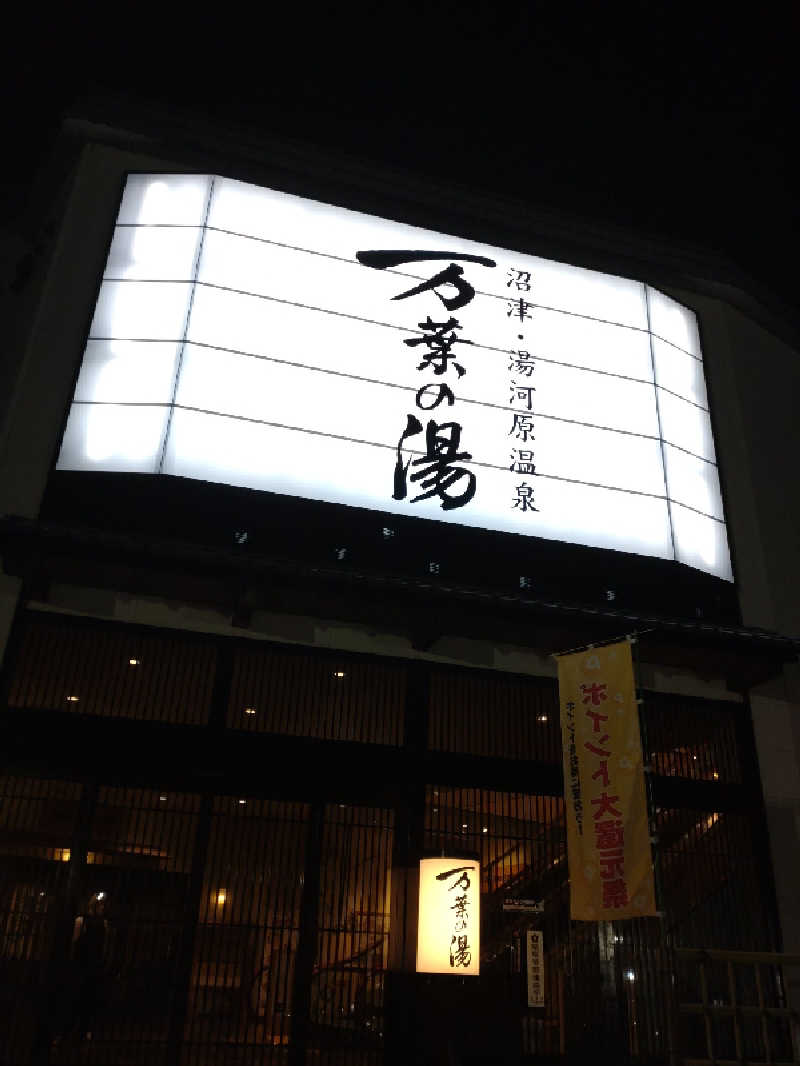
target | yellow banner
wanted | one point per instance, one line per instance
(608, 836)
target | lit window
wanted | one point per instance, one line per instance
(134, 662)
(249, 710)
(73, 699)
(339, 673)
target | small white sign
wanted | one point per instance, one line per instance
(535, 959)
(530, 906)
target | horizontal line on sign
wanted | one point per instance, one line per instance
(505, 297)
(393, 270)
(686, 451)
(412, 389)
(387, 447)
(685, 399)
(420, 277)
(695, 510)
(356, 318)
(273, 299)
(124, 403)
(677, 347)
(369, 322)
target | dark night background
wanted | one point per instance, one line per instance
(677, 121)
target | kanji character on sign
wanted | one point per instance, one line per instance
(462, 882)
(609, 835)
(439, 472)
(522, 427)
(612, 864)
(615, 894)
(460, 907)
(520, 308)
(605, 805)
(597, 718)
(460, 955)
(523, 463)
(520, 279)
(524, 499)
(439, 343)
(452, 275)
(434, 394)
(602, 773)
(597, 750)
(595, 693)
(523, 363)
(523, 394)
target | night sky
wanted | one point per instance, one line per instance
(676, 121)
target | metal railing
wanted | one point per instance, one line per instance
(742, 1014)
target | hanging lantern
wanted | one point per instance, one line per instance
(448, 933)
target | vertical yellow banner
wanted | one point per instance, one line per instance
(608, 835)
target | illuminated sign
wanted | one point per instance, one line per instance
(254, 338)
(448, 933)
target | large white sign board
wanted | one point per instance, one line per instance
(253, 338)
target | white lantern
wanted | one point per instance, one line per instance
(448, 934)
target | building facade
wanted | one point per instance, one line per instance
(236, 718)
